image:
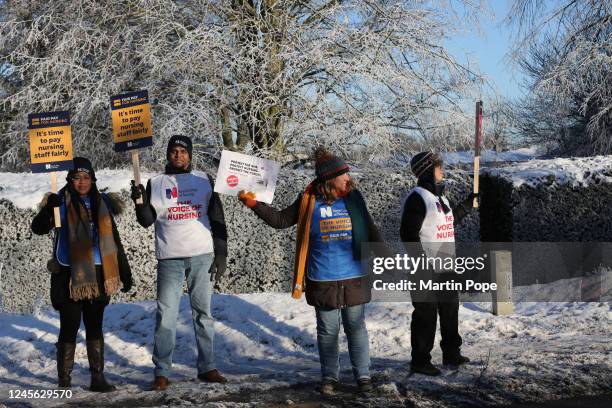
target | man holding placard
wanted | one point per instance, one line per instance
(429, 219)
(191, 242)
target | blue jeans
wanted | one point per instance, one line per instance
(170, 276)
(328, 327)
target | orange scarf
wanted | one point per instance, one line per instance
(302, 241)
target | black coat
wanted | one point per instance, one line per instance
(43, 223)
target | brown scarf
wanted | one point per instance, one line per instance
(83, 282)
(302, 241)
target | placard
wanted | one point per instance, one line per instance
(131, 114)
(50, 141)
(239, 171)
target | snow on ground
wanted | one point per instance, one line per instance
(576, 172)
(25, 190)
(266, 344)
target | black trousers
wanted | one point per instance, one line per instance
(70, 320)
(424, 322)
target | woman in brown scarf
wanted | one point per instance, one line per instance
(88, 265)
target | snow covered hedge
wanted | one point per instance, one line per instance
(557, 201)
(560, 200)
(260, 258)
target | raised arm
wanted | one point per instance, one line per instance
(284, 218)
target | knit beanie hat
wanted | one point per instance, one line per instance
(327, 165)
(181, 141)
(423, 162)
(81, 164)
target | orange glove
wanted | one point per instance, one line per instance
(247, 198)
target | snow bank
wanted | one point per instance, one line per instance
(267, 342)
(25, 190)
(575, 172)
(491, 156)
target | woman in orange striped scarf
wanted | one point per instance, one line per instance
(88, 265)
(332, 221)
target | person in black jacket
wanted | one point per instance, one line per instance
(88, 265)
(333, 221)
(428, 219)
(191, 243)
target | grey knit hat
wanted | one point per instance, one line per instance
(422, 162)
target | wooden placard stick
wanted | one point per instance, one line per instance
(56, 211)
(136, 167)
(477, 151)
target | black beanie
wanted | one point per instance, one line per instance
(423, 162)
(328, 166)
(81, 164)
(181, 141)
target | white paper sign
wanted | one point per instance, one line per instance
(239, 171)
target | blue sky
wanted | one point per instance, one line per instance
(489, 48)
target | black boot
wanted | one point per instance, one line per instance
(95, 354)
(365, 385)
(425, 368)
(455, 360)
(65, 363)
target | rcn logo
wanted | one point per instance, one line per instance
(326, 212)
(171, 193)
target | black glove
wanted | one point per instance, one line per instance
(470, 200)
(138, 191)
(53, 200)
(127, 284)
(217, 269)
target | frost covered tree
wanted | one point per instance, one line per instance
(500, 124)
(270, 77)
(565, 48)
